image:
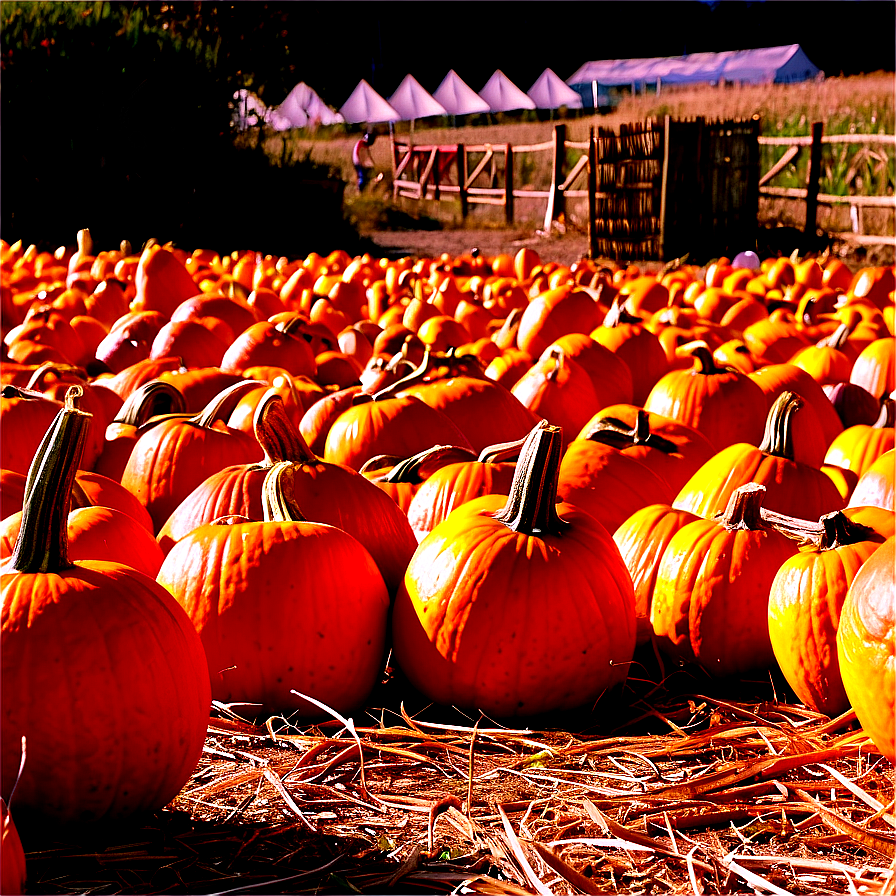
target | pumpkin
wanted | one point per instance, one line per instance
(398, 427)
(97, 533)
(172, 457)
(807, 595)
(554, 313)
(12, 855)
(710, 597)
(162, 282)
(517, 605)
(673, 450)
(859, 446)
(876, 486)
(853, 404)
(642, 539)
(491, 473)
(75, 638)
(269, 344)
(129, 339)
(724, 405)
(629, 339)
(328, 493)
(866, 642)
(282, 606)
(610, 375)
(875, 368)
(795, 486)
(828, 361)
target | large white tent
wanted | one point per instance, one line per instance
(366, 105)
(550, 91)
(302, 106)
(411, 100)
(502, 95)
(785, 64)
(458, 97)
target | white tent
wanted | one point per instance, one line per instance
(768, 65)
(502, 95)
(457, 97)
(366, 105)
(551, 92)
(302, 106)
(412, 101)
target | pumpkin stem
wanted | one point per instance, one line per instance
(744, 510)
(419, 467)
(37, 378)
(152, 399)
(42, 544)
(704, 362)
(531, 506)
(502, 451)
(886, 417)
(558, 356)
(277, 434)
(417, 374)
(278, 495)
(224, 402)
(505, 337)
(778, 438)
(613, 432)
(838, 338)
(618, 315)
(833, 530)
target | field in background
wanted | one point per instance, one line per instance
(856, 105)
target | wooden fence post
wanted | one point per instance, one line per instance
(557, 201)
(812, 178)
(664, 184)
(508, 183)
(592, 194)
(462, 180)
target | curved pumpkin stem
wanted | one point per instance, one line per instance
(613, 432)
(838, 338)
(414, 469)
(833, 530)
(887, 414)
(152, 399)
(531, 506)
(42, 543)
(501, 451)
(278, 495)
(558, 356)
(418, 374)
(277, 434)
(744, 510)
(704, 362)
(36, 379)
(778, 438)
(618, 315)
(505, 336)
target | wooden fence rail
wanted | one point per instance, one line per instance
(483, 174)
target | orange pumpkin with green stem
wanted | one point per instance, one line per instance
(545, 623)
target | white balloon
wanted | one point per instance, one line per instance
(746, 259)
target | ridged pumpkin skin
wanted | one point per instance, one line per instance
(866, 646)
(805, 603)
(725, 406)
(876, 485)
(514, 621)
(399, 427)
(858, 447)
(282, 606)
(641, 540)
(710, 600)
(105, 676)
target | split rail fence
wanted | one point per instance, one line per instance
(654, 189)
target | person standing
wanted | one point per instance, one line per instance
(362, 160)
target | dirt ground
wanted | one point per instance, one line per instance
(565, 248)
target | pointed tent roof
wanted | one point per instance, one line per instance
(365, 104)
(302, 104)
(502, 95)
(457, 97)
(551, 92)
(412, 101)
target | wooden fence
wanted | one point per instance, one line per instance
(810, 193)
(654, 189)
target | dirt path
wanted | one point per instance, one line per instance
(564, 249)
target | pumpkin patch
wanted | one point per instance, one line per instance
(496, 486)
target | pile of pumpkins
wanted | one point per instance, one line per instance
(247, 478)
